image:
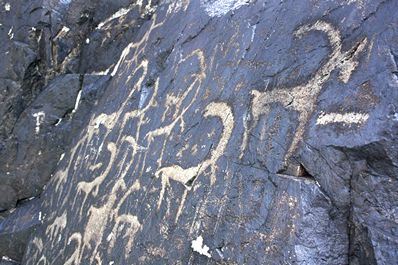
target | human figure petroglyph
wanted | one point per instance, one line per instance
(302, 98)
(40, 116)
(187, 176)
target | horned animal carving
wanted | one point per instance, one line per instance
(188, 175)
(111, 216)
(302, 98)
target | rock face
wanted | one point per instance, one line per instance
(42, 132)
(42, 70)
(17, 228)
(207, 132)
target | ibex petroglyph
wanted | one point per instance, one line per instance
(302, 98)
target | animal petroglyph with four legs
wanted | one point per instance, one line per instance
(302, 98)
(187, 176)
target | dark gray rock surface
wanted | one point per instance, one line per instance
(230, 131)
(42, 133)
(16, 229)
(8, 262)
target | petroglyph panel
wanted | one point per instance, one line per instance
(173, 150)
(128, 152)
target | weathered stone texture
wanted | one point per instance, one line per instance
(207, 132)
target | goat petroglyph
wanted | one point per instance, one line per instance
(97, 132)
(131, 154)
(302, 98)
(188, 175)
